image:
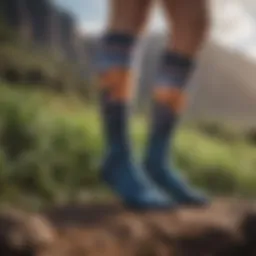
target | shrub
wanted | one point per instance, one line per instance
(221, 131)
(12, 75)
(46, 154)
(251, 136)
(25, 64)
(50, 148)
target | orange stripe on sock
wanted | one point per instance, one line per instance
(117, 82)
(171, 97)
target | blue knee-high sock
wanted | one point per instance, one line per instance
(118, 169)
(168, 94)
(113, 64)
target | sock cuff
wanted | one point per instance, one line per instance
(174, 69)
(114, 50)
(123, 41)
(172, 58)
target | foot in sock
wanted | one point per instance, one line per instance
(156, 164)
(124, 178)
(118, 170)
(168, 102)
(172, 183)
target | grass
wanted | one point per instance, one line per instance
(23, 62)
(51, 148)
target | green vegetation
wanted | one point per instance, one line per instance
(23, 62)
(51, 143)
(51, 147)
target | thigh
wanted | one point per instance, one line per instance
(128, 15)
(183, 11)
(188, 22)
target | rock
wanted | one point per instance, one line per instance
(23, 234)
(225, 228)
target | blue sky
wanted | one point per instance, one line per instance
(92, 14)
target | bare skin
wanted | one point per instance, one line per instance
(128, 16)
(188, 21)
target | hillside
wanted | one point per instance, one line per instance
(223, 87)
(46, 25)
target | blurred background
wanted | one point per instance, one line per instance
(50, 137)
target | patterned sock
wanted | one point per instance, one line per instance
(114, 71)
(118, 169)
(169, 100)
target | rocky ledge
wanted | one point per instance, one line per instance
(225, 228)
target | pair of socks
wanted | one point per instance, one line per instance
(153, 185)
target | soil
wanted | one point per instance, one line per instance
(224, 228)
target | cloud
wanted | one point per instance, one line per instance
(91, 27)
(157, 21)
(231, 22)
(233, 25)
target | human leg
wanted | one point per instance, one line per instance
(127, 19)
(189, 22)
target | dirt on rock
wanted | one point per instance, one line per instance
(224, 228)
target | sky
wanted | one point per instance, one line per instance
(233, 21)
(92, 14)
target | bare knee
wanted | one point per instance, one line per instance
(191, 16)
(189, 21)
(128, 16)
